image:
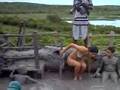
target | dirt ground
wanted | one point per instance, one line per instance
(51, 81)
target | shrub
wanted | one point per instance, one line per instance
(54, 18)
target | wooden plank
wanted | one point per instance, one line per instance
(24, 47)
(22, 57)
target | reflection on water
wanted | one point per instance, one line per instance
(115, 23)
(106, 22)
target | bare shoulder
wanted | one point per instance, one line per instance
(83, 49)
(80, 47)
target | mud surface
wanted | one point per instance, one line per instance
(51, 81)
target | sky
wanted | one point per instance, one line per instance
(66, 2)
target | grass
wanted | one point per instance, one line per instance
(26, 16)
(64, 37)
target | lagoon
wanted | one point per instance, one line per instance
(115, 23)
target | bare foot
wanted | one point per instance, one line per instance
(80, 78)
(75, 78)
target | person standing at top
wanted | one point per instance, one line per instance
(81, 10)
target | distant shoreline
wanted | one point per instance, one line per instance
(105, 22)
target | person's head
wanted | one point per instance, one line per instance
(93, 50)
(22, 70)
(109, 51)
(14, 85)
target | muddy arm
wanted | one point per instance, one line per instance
(12, 73)
(31, 79)
(101, 64)
(117, 67)
(72, 45)
(75, 46)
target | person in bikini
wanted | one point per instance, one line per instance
(77, 56)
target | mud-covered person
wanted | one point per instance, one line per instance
(14, 85)
(109, 65)
(76, 56)
(2, 63)
(19, 79)
(22, 76)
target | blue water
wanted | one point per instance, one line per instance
(115, 23)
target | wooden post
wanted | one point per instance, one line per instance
(36, 49)
(89, 44)
(89, 41)
(21, 32)
(56, 38)
(111, 39)
(61, 67)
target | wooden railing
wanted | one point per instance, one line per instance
(34, 46)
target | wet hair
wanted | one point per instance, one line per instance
(112, 49)
(93, 49)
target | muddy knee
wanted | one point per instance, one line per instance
(83, 65)
(78, 65)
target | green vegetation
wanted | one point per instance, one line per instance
(47, 18)
(105, 12)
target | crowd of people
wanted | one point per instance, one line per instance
(108, 62)
(76, 56)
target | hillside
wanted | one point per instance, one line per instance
(22, 7)
(61, 10)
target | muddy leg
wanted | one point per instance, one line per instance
(82, 69)
(76, 65)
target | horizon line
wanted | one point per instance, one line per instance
(57, 4)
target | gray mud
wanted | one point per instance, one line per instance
(51, 81)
